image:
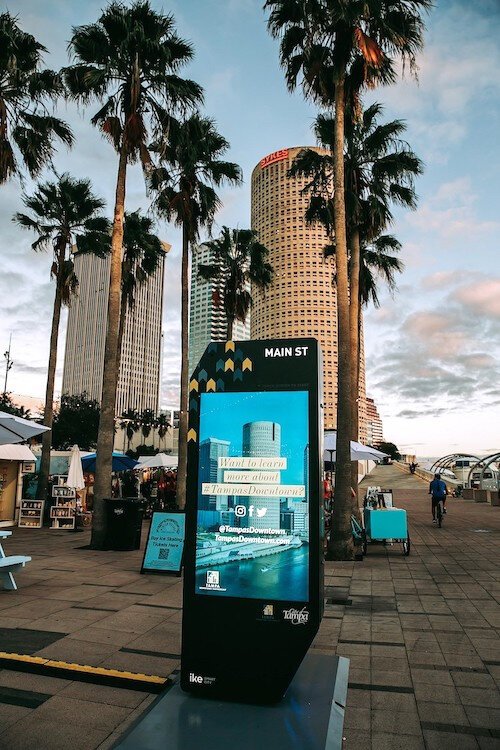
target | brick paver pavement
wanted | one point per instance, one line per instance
(79, 605)
(421, 633)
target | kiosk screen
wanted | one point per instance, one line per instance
(253, 498)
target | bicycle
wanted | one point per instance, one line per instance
(439, 513)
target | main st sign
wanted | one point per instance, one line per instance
(253, 577)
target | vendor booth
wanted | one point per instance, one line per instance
(15, 460)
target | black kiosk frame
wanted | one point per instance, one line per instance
(248, 646)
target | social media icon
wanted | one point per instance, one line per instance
(261, 512)
(240, 511)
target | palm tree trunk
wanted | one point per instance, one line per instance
(340, 546)
(230, 324)
(354, 307)
(183, 416)
(105, 436)
(121, 330)
(48, 413)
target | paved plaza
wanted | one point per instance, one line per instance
(421, 634)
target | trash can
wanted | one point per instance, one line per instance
(124, 523)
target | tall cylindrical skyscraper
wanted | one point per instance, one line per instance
(301, 300)
(262, 440)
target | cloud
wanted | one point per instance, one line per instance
(444, 279)
(451, 213)
(424, 324)
(414, 414)
(26, 369)
(458, 75)
(442, 357)
(482, 297)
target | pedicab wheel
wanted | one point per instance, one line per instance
(406, 546)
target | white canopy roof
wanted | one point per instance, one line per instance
(10, 452)
(359, 452)
(161, 460)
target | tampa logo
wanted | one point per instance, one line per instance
(296, 616)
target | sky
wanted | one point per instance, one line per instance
(222, 416)
(432, 348)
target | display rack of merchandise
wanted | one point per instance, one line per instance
(31, 514)
(63, 513)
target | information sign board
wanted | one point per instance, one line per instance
(165, 544)
(253, 517)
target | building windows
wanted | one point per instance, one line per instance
(301, 300)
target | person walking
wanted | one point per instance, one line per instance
(438, 492)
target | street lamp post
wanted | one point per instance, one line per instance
(8, 364)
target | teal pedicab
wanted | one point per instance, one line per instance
(382, 524)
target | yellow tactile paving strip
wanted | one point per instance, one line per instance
(25, 663)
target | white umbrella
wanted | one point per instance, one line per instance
(359, 452)
(160, 461)
(75, 473)
(15, 430)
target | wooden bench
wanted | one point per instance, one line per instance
(9, 564)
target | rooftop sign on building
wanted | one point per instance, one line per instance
(275, 156)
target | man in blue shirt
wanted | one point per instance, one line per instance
(438, 491)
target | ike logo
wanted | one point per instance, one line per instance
(198, 679)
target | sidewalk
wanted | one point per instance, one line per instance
(421, 633)
(92, 608)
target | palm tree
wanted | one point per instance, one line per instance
(27, 130)
(163, 426)
(380, 170)
(238, 261)
(378, 261)
(191, 169)
(333, 49)
(148, 422)
(130, 424)
(142, 255)
(63, 214)
(129, 61)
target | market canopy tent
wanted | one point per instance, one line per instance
(121, 462)
(359, 452)
(16, 453)
(160, 461)
(16, 430)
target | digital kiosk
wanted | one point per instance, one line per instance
(253, 578)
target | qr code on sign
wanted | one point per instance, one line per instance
(163, 554)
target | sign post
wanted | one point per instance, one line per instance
(253, 576)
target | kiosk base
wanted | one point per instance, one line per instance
(310, 716)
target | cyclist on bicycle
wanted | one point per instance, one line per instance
(438, 491)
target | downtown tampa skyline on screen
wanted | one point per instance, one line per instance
(432, 349)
